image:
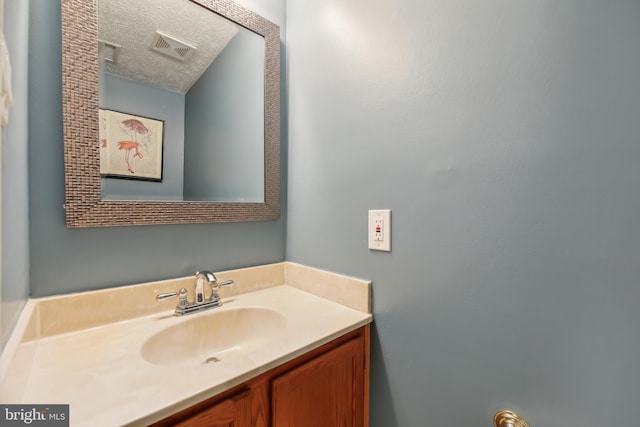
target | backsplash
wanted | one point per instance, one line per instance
(67, 313)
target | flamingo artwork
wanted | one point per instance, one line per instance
(128, 146)
(135, 127)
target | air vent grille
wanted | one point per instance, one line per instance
(182, 51)
(161, 43)
(171, 47)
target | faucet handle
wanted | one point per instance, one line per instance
(182, 294)
(162, 297)
(215, 285)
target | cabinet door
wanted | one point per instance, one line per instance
(232, 412)
(326, 391)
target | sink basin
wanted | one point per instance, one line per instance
(214, 336)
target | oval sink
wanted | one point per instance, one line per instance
(214, 336)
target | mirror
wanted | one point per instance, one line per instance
(204, 149)
(194, 75)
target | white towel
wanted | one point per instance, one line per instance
(6, 99)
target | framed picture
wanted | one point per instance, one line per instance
(130, 146)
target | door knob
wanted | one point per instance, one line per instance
(507, 418)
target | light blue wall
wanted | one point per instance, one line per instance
(67, 260)
(131, 97)
(15, 207)
(224, 159)
(505, 137)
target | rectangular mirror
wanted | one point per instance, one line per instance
(220, 145)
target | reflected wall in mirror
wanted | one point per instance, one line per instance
(221, 135)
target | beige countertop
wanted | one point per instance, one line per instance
(102, 374)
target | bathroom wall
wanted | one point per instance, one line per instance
(505, 137)
(224, 160)
(132, 97)
(15, 207)
(68, 260)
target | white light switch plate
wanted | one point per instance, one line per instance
(380, 230)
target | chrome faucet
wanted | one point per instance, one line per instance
(199, 301)
(201, 278)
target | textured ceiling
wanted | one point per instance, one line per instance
(132, 25)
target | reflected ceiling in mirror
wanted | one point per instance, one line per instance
(202, 75)
(164, 43)
(85, 206)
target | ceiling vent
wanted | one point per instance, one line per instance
(172, 47)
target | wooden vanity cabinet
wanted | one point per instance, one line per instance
(325, 391)
(328, 386)
(234, 411)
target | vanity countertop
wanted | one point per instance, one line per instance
(102, 374)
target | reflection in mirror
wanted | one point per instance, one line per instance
(84, 202)
(203, 76)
